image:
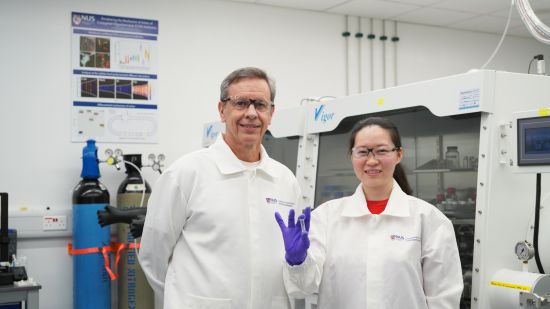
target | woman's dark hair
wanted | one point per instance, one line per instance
(386, 124)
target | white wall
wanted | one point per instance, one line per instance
(428, 52)
(200, 42)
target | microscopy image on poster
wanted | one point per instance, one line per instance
(123, 89)
(87, 44)
(102, 60)
(140, 90)
(95, 52)
(102, 56)
(106, 88)
(87, 60)
(102, 45)
(88, 87)
(114, 67)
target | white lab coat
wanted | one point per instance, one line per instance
(406, 257)
(210, 239)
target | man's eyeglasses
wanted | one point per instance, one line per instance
(380, 152)
(239, 103)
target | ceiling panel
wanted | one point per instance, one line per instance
(474, 6)
(472, 15)
(520, 31)
(316, 5)
(486, 23)
(373, 8)
(540, 5)
(437, 17)
(416, 2)
(504, 13)
(247, 1)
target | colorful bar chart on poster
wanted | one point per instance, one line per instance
(114, 89)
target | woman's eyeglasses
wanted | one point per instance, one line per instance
(379, 152)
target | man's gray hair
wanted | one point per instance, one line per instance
(249, 72)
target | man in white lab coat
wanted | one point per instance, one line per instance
(209, 239)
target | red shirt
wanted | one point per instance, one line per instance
(377, 207)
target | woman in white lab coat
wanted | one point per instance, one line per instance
(378, 248)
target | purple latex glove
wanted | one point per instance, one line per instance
(296, 240)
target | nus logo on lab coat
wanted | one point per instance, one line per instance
(397, 237)
(322, 115)
(403, 238)
(274, 201)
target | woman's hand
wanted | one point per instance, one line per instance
(295, 236)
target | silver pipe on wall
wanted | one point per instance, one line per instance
(395, 39)
(390, 53)
(359, 36)
(347, 52)
(371, 53)
(383, 53)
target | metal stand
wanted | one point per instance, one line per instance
(10, 294)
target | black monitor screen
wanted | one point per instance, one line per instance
(534, 141)
(4, 227)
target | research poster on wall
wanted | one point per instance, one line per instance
(114, 79)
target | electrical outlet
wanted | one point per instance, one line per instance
(54, 223)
